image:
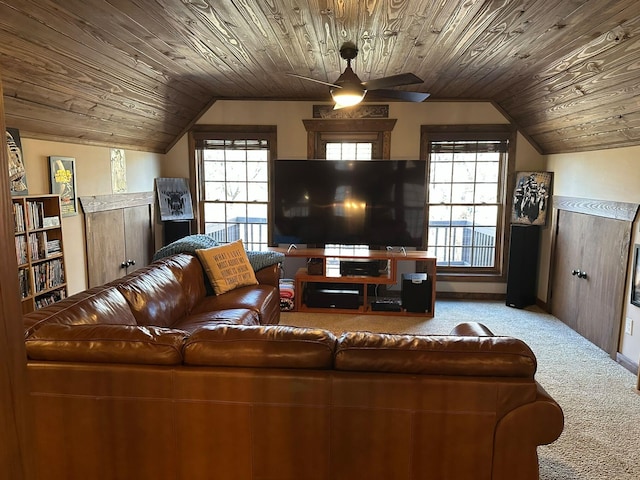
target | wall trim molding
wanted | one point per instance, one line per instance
(601, 208)
(103, 203)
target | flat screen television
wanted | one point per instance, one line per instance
(379, 203)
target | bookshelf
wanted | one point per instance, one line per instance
(39, 250)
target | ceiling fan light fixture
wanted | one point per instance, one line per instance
(348, 95)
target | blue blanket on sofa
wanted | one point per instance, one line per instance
(191, 243)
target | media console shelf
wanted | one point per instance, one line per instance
(326, 278)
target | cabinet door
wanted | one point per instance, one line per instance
(137, 237)
(591, 304)
(568, 257)
(606, 247)
(105, 246)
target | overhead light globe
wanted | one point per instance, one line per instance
(347, 97)
(349, 90)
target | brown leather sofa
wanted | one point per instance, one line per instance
(177, 389)
(169, 293)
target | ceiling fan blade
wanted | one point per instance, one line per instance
(401, 95)
(392, 81)
(313, 80)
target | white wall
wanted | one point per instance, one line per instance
(605, 175)
(405, 139)
(93, 177)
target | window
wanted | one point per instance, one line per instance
(233, 184)
(340, 150)
(345, 139)
(467, 171)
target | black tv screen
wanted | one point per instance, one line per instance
(378, 203)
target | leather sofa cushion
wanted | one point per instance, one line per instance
(274, 346)
(97, 305)
(106, 344)
(263, 299)
(233, 316)
(155, 295)
(435, 355)
(188, 272)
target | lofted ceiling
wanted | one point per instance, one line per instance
(139, 73)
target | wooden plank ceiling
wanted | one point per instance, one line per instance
(138, 73)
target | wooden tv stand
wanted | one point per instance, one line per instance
(329, 273)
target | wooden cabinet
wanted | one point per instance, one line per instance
(330, 276)
(120, 234)
(591, 251)
(39, 250)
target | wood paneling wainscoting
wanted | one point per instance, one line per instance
(589, 256)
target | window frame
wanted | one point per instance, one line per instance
(433, 133)
(376, 131)
(200, 133)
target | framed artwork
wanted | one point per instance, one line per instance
(63, 182)
(17, 172)
(118, 171)
(531, 198)
(635, 284)
(174, 199)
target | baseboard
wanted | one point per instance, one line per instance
(627, 363)
(543, 305)
(483, 296)
(470, 296)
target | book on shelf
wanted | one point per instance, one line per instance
(50, 298)
(51, 222)
(35, 214)
(23, 281)
(21, 249)
(48, 275)
(18, 217)
(52, 248)
(38, 245)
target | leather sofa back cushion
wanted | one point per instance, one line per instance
(274, 346)
(435, 355)
(155, 295)
(106, 344)
(187, 270)
(98, 305)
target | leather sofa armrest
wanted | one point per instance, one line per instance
(471, 329)
(269, 275)
(100, 343)
(520, 432)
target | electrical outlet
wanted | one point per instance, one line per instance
(628, 326)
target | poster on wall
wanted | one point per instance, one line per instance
(635, 283)
(63, 182)
(174, 199)
(17, 172)
(531, 198)
(118, 171)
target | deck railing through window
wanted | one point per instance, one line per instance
(462, 244)
(252, 231)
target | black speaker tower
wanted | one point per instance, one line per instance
(175, 230)
(523, 266)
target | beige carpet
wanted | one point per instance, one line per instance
(601, 439)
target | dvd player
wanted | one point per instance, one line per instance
(367, 268)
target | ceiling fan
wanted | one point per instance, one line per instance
(349, 90)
